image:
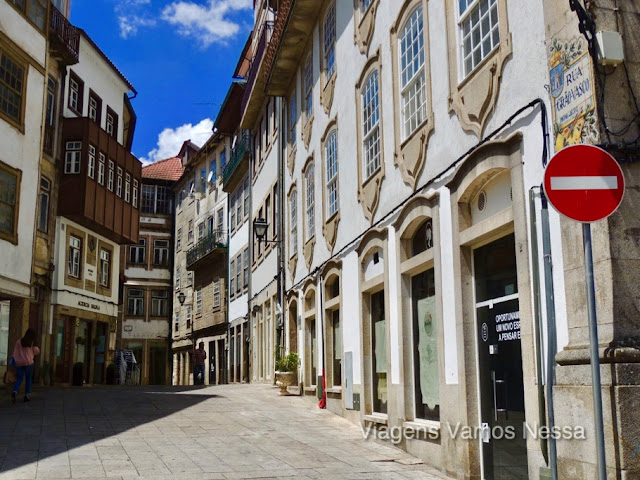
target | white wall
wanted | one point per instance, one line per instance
(21, 150)
(99, 76)
(446, 144)
(75, 297)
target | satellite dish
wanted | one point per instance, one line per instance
(210, 177)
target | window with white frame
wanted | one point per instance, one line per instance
(74, 94)
(293, 117)
(245, 265)
(72, 157)
(111, 176)
(220, 220)
(178, 279)
(232, 212)
(308, 87)
(110, 123)
(188, 317)
(223, 159)
(127, 188)
(246, 196)
(239, 202)
(216, 293)
(190, 232)
(43, 204)
(479, 31)
(75, 249)
(179, 239)
(293, 214)
(412, 75)
(238, 273)
(232, 277)
(329, 42)
(176, 320)
(101, 166)
(93, 108)
(119, 187)
(105, 261)
(92, 162)
(199, 301)
(331, 158)
(189, 279)
(138, 253)
(371, 125)
(135, 194)
(201, 231)
(135, 302)
(310, 202)
(159, 303)
(161, 252)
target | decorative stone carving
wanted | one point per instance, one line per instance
(326, 94)
(308, 252)
(306, 132)
(364, 25)
(293, 261)
(475, 97)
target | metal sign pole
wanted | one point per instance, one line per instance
(595, 356)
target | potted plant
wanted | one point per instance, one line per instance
(287, 372)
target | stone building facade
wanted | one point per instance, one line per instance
(400, 148)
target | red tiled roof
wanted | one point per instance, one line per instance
(168, 169)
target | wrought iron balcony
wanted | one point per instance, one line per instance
(238, 154)
(255, 78)
(214, 242)
(64, 38)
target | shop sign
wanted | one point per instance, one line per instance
(92, 306)
(573, 93)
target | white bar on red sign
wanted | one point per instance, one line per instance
(584, 183)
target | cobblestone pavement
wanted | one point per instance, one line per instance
(220, 432)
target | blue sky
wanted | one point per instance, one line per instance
(178, 54)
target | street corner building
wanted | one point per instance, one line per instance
(70, 191)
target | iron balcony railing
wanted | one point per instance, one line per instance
(237, 154)
(214, 240)
(65, 38)
(260, 47)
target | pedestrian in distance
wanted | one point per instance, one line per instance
(23, 354)
(200, 356)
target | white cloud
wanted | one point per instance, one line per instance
(208, 23)
(171, 139)
(129, 24)
(131, 16)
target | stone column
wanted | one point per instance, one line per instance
(174, 374)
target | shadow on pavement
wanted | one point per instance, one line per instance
(61, 419)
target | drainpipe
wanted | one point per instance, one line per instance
(551, 331)
(280, 229)
(537, 325)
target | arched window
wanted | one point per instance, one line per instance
(412, 74)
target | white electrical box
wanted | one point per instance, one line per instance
(610, 50)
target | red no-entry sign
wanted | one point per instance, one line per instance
(584, 183)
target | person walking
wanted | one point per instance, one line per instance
(200, 356)
(23, 354)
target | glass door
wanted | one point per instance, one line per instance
(500, 361)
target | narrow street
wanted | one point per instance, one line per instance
(228, 431)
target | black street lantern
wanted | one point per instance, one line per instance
(181, 298)
(260, 227)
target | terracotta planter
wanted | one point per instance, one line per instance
(286, 379)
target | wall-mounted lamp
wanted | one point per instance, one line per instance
(181, 298)
(260, 227)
